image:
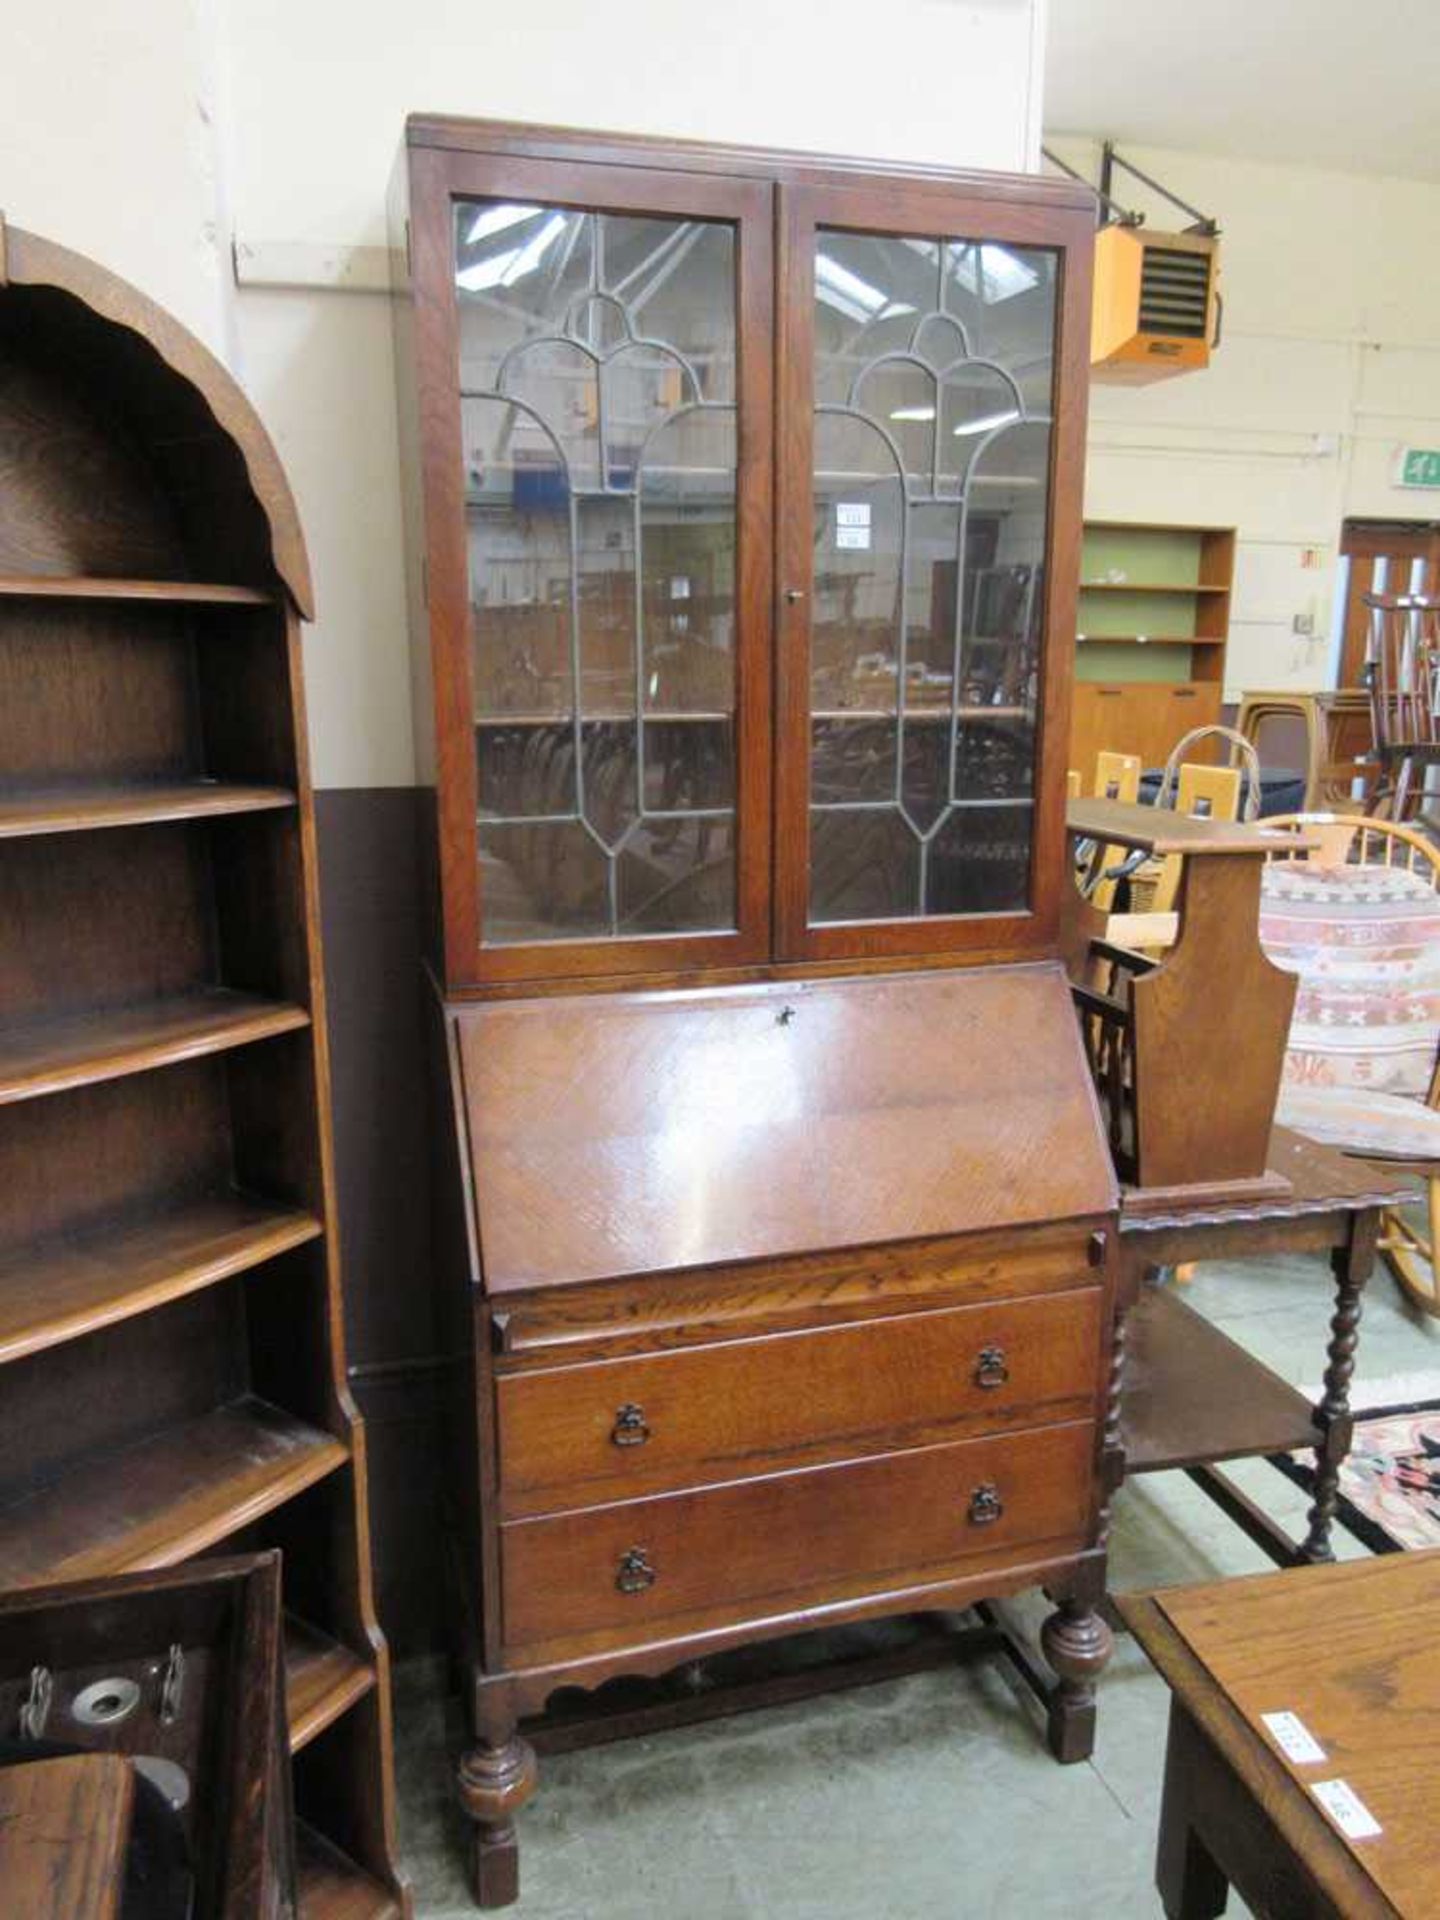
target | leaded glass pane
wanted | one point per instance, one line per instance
(597, 368)
(934, 364)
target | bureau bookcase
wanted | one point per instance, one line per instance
(776, 1221)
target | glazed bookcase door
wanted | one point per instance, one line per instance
(932, 355)
(598, 571)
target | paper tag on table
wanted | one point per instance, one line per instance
(1294, 1738)
(1346, 1809)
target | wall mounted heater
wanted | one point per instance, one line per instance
(1157, 304)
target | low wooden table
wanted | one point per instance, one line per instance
(1191, 1397)
(1349, 1651)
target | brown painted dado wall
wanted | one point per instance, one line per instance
(370, 905)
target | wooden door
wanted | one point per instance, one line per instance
(1386, 556)
(931, 389)
(595, 365)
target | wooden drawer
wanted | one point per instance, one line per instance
(574, 1436)
(639, 1562)
(566, 1324)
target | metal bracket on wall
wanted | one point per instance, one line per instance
(1112, 213)
(1110, 159)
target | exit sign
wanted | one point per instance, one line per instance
(1419, 467)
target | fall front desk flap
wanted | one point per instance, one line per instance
(615, 1134)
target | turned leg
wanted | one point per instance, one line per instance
(1077, 1643)
(495, 1782)
(1351, 1265)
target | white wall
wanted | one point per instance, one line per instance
(108, 116)
(144, 134)
(1330, 362)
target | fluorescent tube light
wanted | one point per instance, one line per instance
(496, 219)
(985, 422)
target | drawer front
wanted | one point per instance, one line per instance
(640, 1562)
(595, 1322)
(611, 1430)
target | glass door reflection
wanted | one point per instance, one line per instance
(597, 372)
(934, 364)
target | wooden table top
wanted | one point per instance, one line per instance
(1158, 830)
(1352, 1652)
(1321, 1180)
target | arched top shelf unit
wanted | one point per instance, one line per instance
(132, 460)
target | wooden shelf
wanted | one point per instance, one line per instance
(67, 1288)
(55, 586)
(1146, 640)
(322, 1680)
(1192, 1395)
(917, 712)
(1142, 586)
(165, 1498)
(167, 1299)
(81, 809)
(913, 711)
(609, 718)
(332, 1887)
(52, 1055)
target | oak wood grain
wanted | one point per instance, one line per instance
(152, 579)
(1159, 831)
(820, 1115)
(59, 1290)
(323, 1679)
(82, 809)
(1338, 1647)
(1192, 1394)
(605, 1319)
(333, 1887)
(57, 586)
(711, 1413)
(64, 1830)
(164, 1499)
(100, 312)
(86, 1048)
(736, 1546)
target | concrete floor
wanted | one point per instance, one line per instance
(928, 1798)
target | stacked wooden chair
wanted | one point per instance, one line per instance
(1402, 668)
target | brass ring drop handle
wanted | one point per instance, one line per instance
(630, 1429)
(990, 1367)
(635, 1572)
(986, 1506)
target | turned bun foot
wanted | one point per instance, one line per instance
(1077, 1643)
(494, 1783)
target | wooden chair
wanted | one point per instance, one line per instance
(1117, 777)
(1402, 669)
(1362, 1067)
(1199, 792)
(1339, 744)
